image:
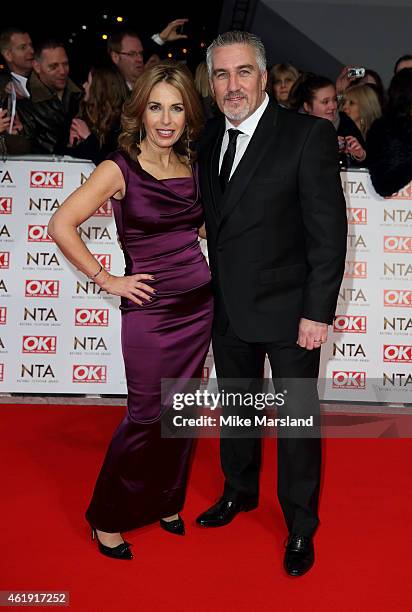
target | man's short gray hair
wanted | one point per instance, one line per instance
(236, 37)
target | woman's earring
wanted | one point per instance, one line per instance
(140, 135)
(188, 143)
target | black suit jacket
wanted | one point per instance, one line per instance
(277, 237)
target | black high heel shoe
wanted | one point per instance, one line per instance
(118, 552)
(177, 526)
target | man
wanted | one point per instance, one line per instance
(126, 50)
(17, 49)
(276, 230)
(405, 61)
(54, 100)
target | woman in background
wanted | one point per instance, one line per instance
(210, 109)
(373, 78)
(94, 134)
(361, 104)
(316, 95)
(281, 79)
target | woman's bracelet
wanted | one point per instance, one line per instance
(97, 273)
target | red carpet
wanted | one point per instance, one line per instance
(50, 456)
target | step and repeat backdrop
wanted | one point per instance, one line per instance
(59, 332)
(369, 353)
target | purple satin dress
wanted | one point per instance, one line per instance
(143, 477)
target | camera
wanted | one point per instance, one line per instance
(356, 73)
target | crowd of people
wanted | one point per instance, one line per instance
(52, 115)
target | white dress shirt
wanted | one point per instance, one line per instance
(248, 127)
(21, 83)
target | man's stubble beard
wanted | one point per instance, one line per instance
(237, 116)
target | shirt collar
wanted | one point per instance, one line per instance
(22, 81)
(249, 125)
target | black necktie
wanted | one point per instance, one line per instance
(228, 158)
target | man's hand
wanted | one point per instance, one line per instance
(4, 122)
(169, 33)
(312, 334)
(344, 81)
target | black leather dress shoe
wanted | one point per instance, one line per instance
(177, 526)
(299, 555)
(224, 511)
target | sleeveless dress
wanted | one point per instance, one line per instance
(143, 477)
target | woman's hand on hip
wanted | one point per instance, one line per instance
(130, 287)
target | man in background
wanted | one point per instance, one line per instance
(17, 49)
(127, 53)
(54, 100)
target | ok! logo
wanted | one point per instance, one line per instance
(89, 374)
(46, 179)
(397, 244)
(357, 216)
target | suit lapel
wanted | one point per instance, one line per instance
(261, 140)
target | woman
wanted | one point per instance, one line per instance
(280, 81)
(210, 109)
(166, 298)
(94, 134)
(316, 95)
(362, 106)
(389, 140)
(373, 78)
